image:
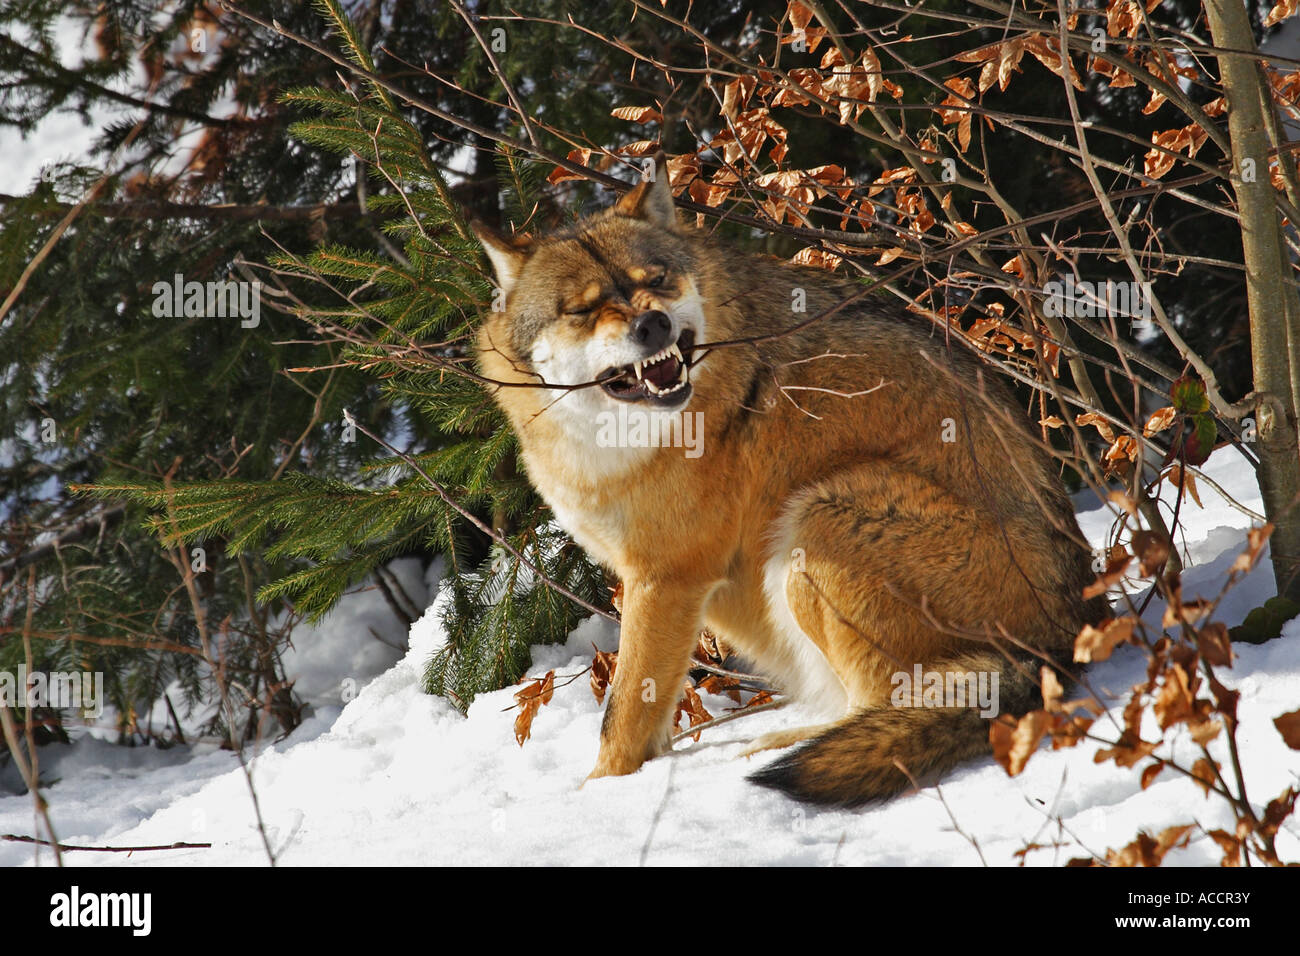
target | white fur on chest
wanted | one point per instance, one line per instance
(599, 532)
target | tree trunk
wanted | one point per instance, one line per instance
(1270, 290)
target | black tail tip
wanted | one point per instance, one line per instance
(789, 776)
(780, 775)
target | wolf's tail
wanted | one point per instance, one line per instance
(854, 762)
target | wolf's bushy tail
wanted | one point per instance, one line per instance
(853, 763)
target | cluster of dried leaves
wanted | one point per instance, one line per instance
(1192, 436)
(1181, 691)
(539, 690)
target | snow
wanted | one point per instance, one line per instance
(395, 776)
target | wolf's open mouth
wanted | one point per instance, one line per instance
(663, 377)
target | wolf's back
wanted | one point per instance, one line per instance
(856, 762)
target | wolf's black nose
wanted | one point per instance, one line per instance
(652, 329)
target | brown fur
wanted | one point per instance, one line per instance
(902, 537)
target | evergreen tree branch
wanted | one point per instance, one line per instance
(225, 212)
(479, 523)
(68, 219)
(80, 81)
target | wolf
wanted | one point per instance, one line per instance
(868, 502)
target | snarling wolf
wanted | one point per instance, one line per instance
(867, 498)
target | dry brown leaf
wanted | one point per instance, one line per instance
(1150, 772)
(800, 16)
(1130, 748)
(1096, 644)
(1205, 731)
(1126, 752)
(691, 705)
(1113, 574)
(1191, 612)
(875, 77)
(982, 55)
(1185, 480)
(735, 95)
(1124, 501)
(530, 701)
(1009, 55)
(1148, 851)
(562, 175)
(603, 666)
(1174, 837)
(956, 108)
(1159, 420)
(819, 258)
(1230, 845)
(682, 170)
(1206, 774)
(1070, 731)
(1278, 810)
(1173, 703)
(1123, 448)
(1047, 51)
(1288, 725)
(1014, 741)
(710, 194)
(1167, 144)
(638, 114)
(1225, 700)
(1152, 551)
(1256, 538)
(1051, 689)
(642, 147)
(762, 697)
(1215, 644)
(1099, 422)
(718, 684)
(899, 174)
(1282, 10)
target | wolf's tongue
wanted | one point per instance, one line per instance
(664, 373)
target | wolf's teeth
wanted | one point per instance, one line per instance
(636, 367)
(675, 351)
(660, 392)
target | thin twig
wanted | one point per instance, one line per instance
(730, 716)
(71, 847)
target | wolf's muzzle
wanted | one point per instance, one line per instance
(652, 330)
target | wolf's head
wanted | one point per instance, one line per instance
(608, 308)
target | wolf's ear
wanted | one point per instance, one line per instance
(652, 198)
(507, 255)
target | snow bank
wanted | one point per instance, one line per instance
(402, 778)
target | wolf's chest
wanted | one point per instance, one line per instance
(588, 488)
(600, 531)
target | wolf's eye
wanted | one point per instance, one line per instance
(656, 282)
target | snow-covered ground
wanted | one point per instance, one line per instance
(398, 777)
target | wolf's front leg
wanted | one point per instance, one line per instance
(661, 624)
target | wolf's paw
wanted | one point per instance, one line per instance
(614, 766)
